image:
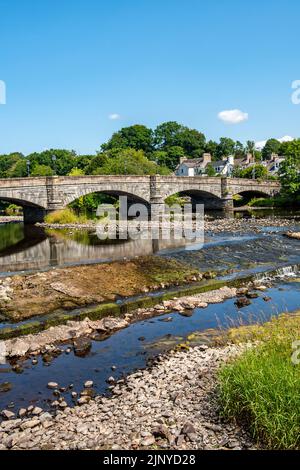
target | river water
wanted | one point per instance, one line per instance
(28, 248)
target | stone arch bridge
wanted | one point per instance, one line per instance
(39, 196)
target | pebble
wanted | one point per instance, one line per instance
(52, 385)
(172, 406)
(88, 384)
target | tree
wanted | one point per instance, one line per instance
(42, 170)
(169, 158)
(225, 148)
(211, 147)
(138, 137)
(239, 150)
(289, 174)
(250, 146)
(130, 162)
(256, 171)
(210, 171)
(76, 172)
(61, 161)
(192, 142)
(166, 134)
(18, 169)
(272, 146)
(7, 162)
(289, 170)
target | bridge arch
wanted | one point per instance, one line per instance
(31, 211)
(132, 198)
(208, 199)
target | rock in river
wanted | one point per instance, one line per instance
(82, 346)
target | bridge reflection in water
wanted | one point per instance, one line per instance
(29, 248)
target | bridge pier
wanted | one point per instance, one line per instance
(32, 214)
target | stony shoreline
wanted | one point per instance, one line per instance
(211, 224)
(172, 405)
(46, 341)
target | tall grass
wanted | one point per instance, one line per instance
(262, 387)
(65, 216)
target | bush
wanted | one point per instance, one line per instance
(262, 387)
(65, 216)
(13, 209)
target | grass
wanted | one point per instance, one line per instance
(262, 387)
(65, 216)
(276, 201)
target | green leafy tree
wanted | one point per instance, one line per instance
(256, 171)
(42, 170)
(239, 150)
(211, 147)
(61, 161)
(138, 137)
(7, 162)
(225, 148)
(210, 171)
(76, 172)
(289, 171)
(166, 134)
(169, 158)
(18, 169)
(131, 162)
(272, 146)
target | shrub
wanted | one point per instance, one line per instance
(65, 216)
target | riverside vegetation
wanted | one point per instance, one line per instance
(262, 387)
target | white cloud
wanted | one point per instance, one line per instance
(260, 145)
(114, 117)
(233, 116)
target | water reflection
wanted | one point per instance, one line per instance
(26, 248)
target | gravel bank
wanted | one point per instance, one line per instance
(171, 406)
(35, 343)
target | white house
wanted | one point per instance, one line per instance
(225, 166)
(193, 167)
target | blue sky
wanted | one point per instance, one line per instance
(70, 64)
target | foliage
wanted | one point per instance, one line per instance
(13, 209)
(64, 216)
(272, 146)
(130, 162)
(42, 170)
(225, 148)
(175, 199)
(262, 387)
(138, 137)
(257, 171)
(289, 172)
(210, 171)
(76, 172)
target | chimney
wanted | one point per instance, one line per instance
(249, 158)
(182, 159)
(274, 156)
(206, 158)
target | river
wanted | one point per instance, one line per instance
(229, 254)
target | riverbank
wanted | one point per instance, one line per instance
(173, 405)
(211, 224)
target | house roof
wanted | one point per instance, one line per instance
(219, 163)
(192, 163)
